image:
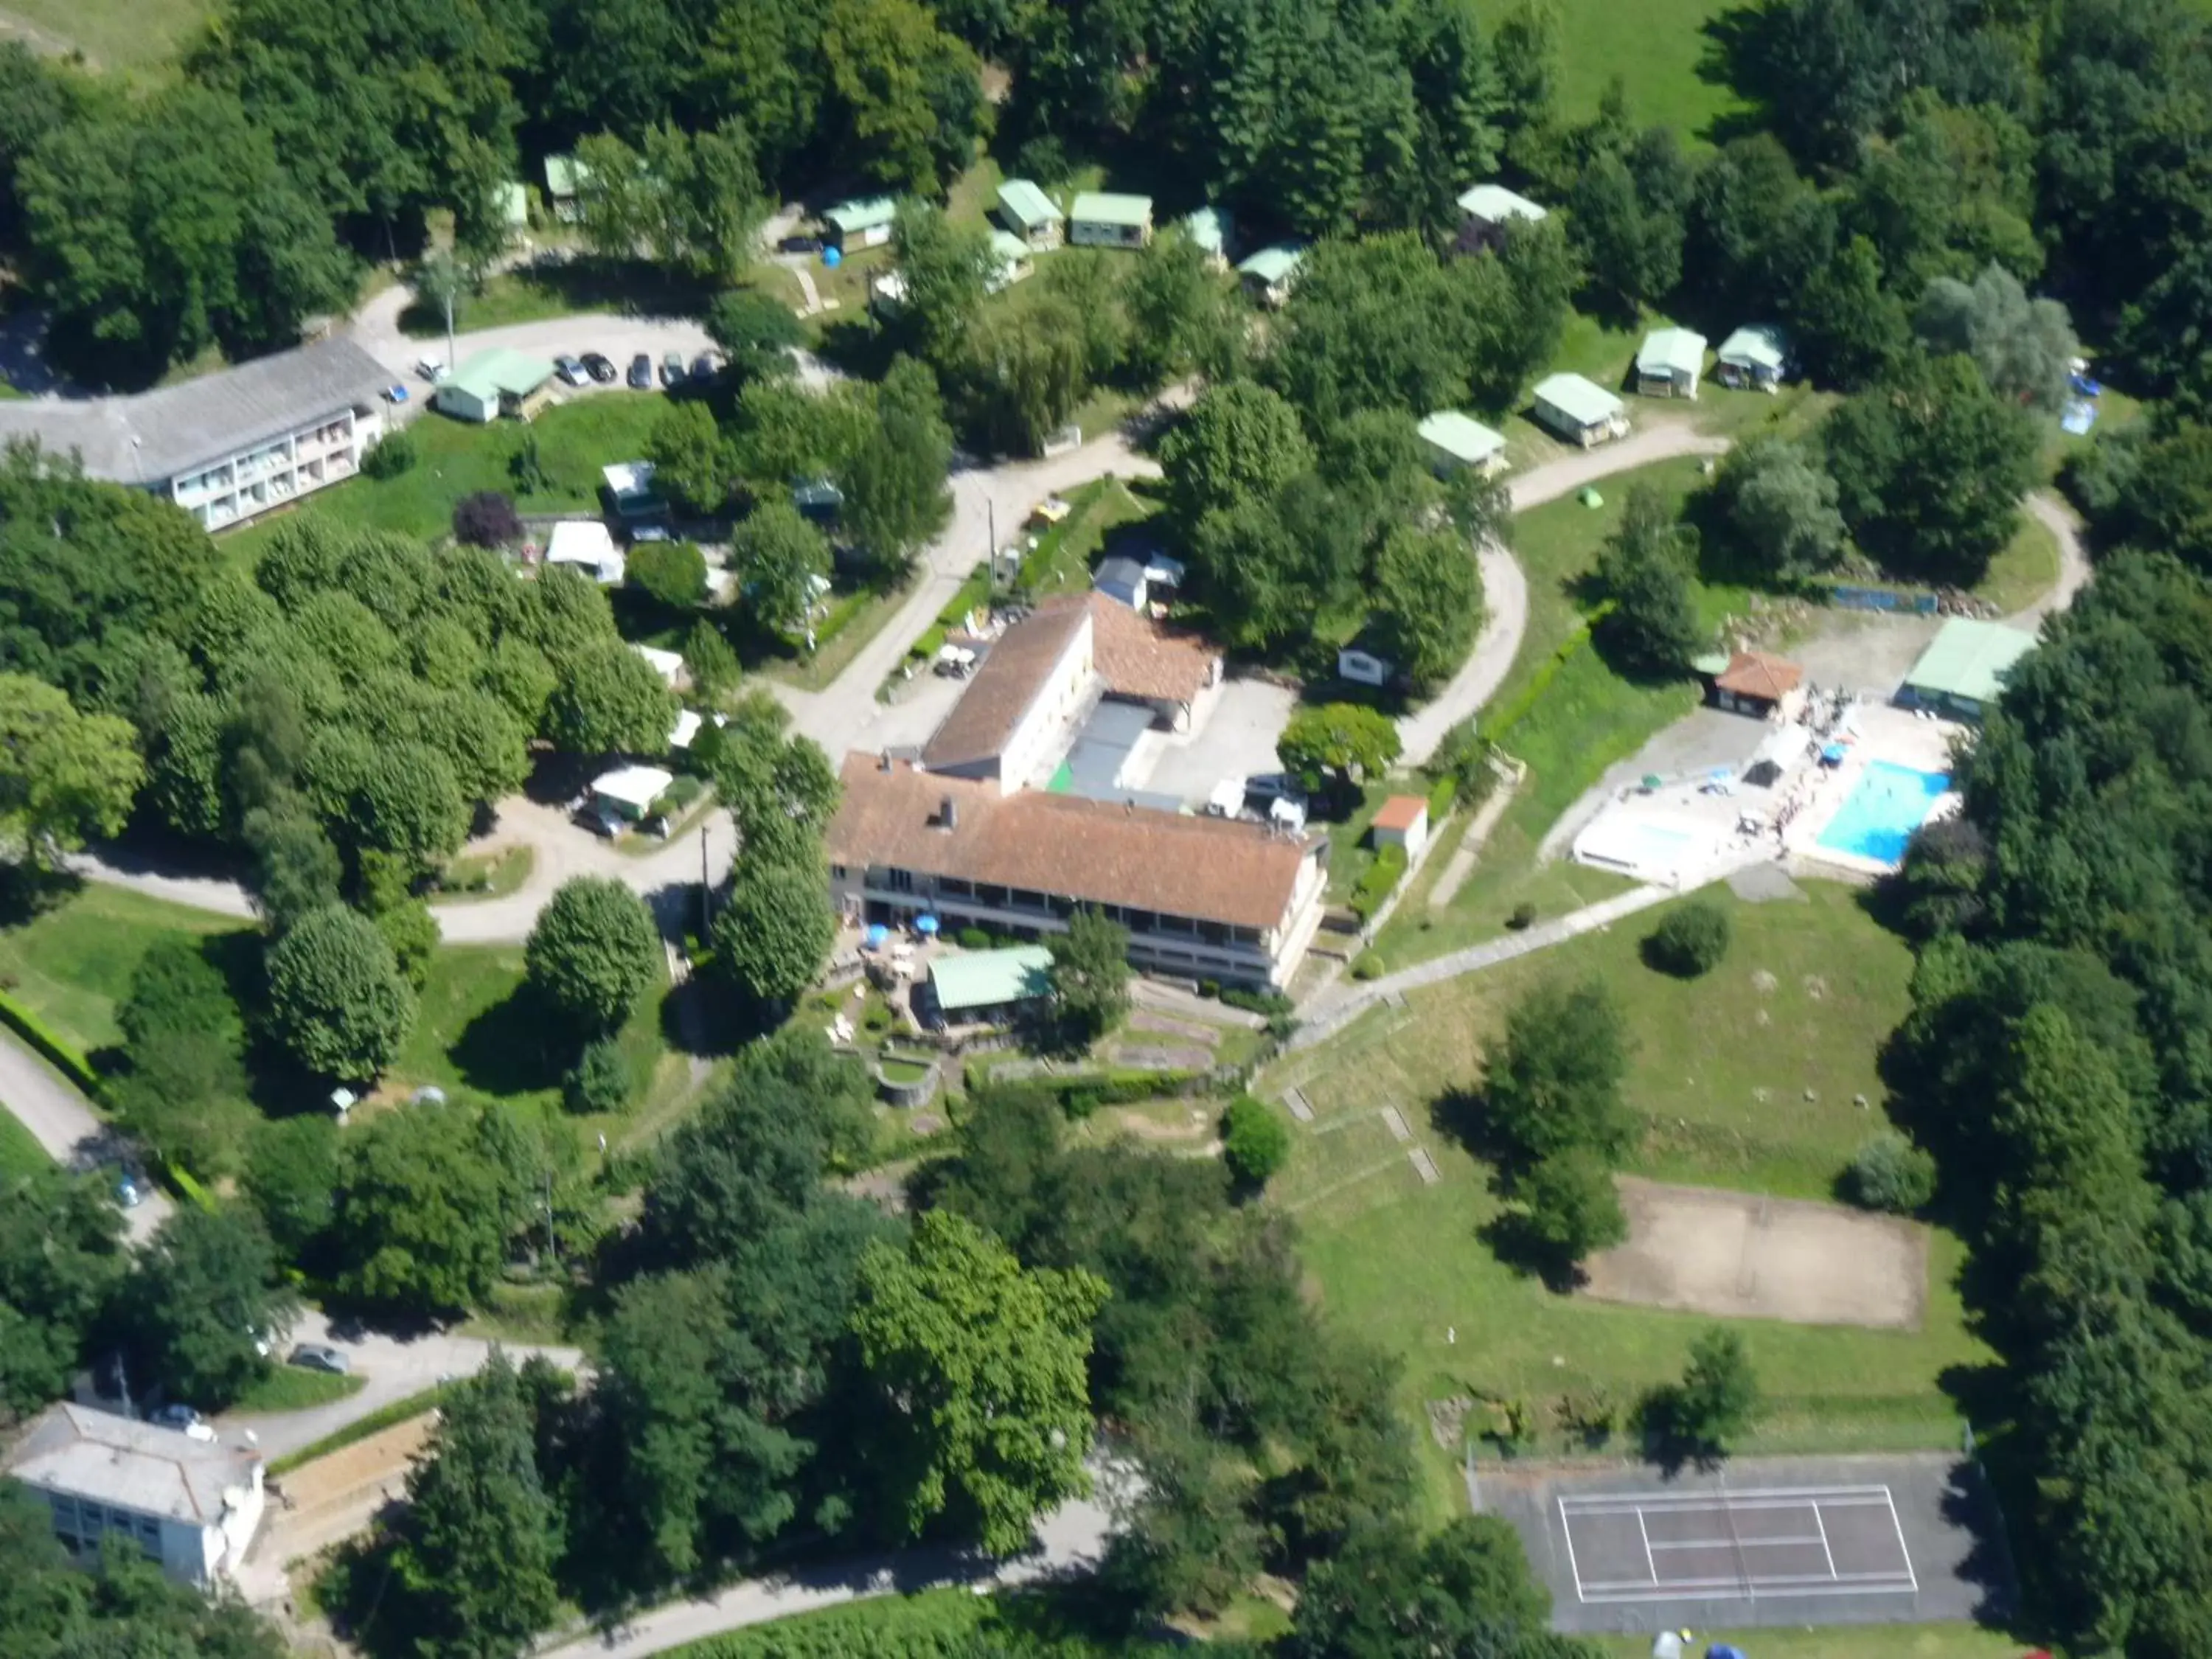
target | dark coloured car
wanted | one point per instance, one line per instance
(800, 245)
(703, 367)
(321, 1357)
(599, 368)
(672, 369)
(640, 372)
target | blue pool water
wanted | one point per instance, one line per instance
(1890, 802)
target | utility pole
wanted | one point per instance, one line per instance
(552, 1247)
(706, 892)
(449, 328)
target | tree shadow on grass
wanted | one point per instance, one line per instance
(514, 1047)
(1516, 1243)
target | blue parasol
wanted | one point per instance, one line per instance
(877, 935)
(925, 925)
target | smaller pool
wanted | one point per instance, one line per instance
(1879, 817)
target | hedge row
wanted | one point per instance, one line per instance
(972, 592)
(1381, 879)
(62, 1056)
(1081, 1093)
(938, 1624)
(1515, 711)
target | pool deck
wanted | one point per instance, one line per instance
(1687, 831)
(1896, 735)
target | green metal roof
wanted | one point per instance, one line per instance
(565, 175)
(1496, 204)
(1275, 264)
(1969, 659)
(499, 371)
(1672, 351)
(1712, 664)
(864, 215)
(1754, 346)
(1462, 436)
(1585, 402)
(986, 979)
(1209, 228)
(1027, 205)
(1104, 207)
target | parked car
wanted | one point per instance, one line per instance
(650, 532)
(321, 1357)
(800, 245)
(672, 369)
(432, 370)
(183, 1418)
(703, 367)
(640, 372)
(598, 368)
(128, 1193)
(1275, 785)
(395, 394)
(572, 370)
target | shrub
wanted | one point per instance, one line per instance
(1256, 1002)
(931, 641)
(1255, 1142)
(1441, 793)
(1382, 877)
(1523, 916)
(1690, 942)
(974, 939)
(1890, 1173)
(1368, 965)
(487, 519)
(390, 456)
(673, 574)
(601, 1081)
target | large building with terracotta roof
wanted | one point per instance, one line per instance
(1205, 898)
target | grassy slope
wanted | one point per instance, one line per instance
(1655, 46)
(20, 1152)
(74, 964)
(1844, 1642)
(1400, 1263)
(116, 33)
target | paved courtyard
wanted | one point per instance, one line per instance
(1238, 739)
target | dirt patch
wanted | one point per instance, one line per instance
(1702, 1250)
(1764, 883)
(335, 1497)
(1160, 1057)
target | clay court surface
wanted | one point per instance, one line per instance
(1702, 1250)
(335, 1497)
(1760, 1541)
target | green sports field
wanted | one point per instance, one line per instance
(1655, 47)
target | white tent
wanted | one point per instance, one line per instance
(587, 543)
(668, 664)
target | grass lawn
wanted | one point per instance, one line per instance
(870, 611)
(475, 875)
(575, 441)
(1655, 47)
(1719, 1072)
(117, 33)
(71, 965)
(2025, 571)
(1060, 562)
(472, 1031)
(20, 1151)
(1844, 1642)
(294, 1388)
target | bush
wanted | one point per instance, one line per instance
(1255, 1142)
(672, 574)
(1381, 879)
(973, 939)
(487, 519)
(391, 455)
(1441, 793)
(601, 1081)
(1523, 917)
(1256, 1002)
(931, 641)
(1890, 1173)
(1690, 942)
(1368, 965)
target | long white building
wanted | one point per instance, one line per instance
(226, 446)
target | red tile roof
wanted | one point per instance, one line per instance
(1136, 656)
(1758, 674)
(1400, 813)
(1003, 689)
(1206, 869)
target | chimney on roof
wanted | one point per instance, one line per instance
(948, 814)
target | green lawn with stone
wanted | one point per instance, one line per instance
(1720, 1073)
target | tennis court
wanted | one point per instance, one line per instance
(1647, 1545)
(1907, 1537)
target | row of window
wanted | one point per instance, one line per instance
(85, 1522)
(1019, 898)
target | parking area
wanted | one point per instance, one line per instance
(1835, 1541)
(1236, 739)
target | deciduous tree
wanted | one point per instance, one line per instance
(593, 954)
(779, 559)
(1339, 742)
(1643, 570)
(337, 1002)
(1090, 976)
(204, 1303)
(896, 497)
(774, 932)
(610, 702)
(1551, 1087)
(980, 1367)
(1428, 593)
(64, 776)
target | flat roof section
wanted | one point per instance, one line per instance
(988, 979)
(1968, 659)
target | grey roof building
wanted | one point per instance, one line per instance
(227, 446)
(192, 1505)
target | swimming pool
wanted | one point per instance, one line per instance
(1880, 816)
